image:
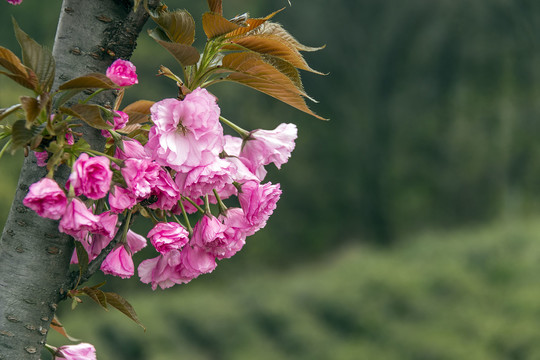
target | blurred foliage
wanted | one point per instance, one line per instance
(433, 107)
(454, 295)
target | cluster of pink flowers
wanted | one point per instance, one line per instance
(186, 164)
(14, 2)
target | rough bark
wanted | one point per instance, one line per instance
(34, 256)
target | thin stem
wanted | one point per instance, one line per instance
(99, 153)
(186, 219)
(207, 205)
(238, 129)
(5, 147)
(193, 203)
(222, 207)
(92, 95)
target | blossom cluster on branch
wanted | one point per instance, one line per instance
(169, 161)
(186, 167)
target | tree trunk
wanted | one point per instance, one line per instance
(34, 256)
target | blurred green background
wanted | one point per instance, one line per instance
(408, 228)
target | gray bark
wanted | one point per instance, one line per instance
(34, 256)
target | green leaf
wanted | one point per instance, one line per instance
(179, 26)
(82, 257)
(94, 80)
(185, 54)
(37, 58)
(97, 295)
(90, 114)
(64, 97)
(158, 34)
(21, 136)
(123, 306)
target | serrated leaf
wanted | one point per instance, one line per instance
(251, 25)
(59, 328)
(179, 26)
(185, 54)
(22, 80)
(215, 25)
(138, 111)
(275, 29)
(288, 70)
(123, 306)
(97, 295)
(216, 6)
(8, 111)
(251, 70)
(37, 58)
(11, 62)
(90, 114)
(82, 257)
(21, 136)
(275, 46)
(93, 80)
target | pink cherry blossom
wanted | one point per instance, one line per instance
(132, 149)
(168, 236)
(91, 176)
(258, 202)
(135, 241)
(166, 191)
(187, 133)
(202, 180)
(120, 121)
(209, 234)
(121, 199)
(118, 263)
(82, 351)
(195, 261)
(14, 2)
(106, 225)
(141, 176)
(122, 73)
(161, 271)
(270, 146)
(47, 199)
(41, 157)
(237, 228)
(77, 218)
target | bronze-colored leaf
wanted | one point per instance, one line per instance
(97, 295)
(185, 54)
(251, 70)
(37, 58)
(124, 306)
(11, 62)
(89, 81)
(251, 25)
(90, 114)
(288, 70)
(29, 82)
(215, 25)
(216, 6)
(138, 111)
(31, 108)
(271, 28)
(275, 46)
(179, 26)
(59, 328)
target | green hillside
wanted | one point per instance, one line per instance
(470, 294)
